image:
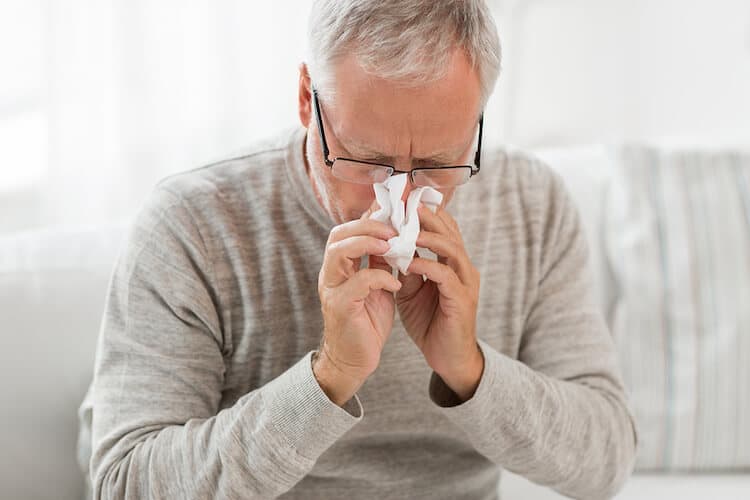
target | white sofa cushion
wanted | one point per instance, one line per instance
(678, 236)
(52, 290)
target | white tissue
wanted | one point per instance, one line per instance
(405, 220)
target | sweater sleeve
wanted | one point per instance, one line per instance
(558, 415)
(157, 431)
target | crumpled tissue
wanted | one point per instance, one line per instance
(404, 219)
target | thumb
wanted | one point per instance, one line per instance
(410, 285)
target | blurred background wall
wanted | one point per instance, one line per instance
(101, 98)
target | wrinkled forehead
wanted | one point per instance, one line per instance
(398, 119)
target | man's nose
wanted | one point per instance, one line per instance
(408, 189)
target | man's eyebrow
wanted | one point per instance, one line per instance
(367, 152)
(364, 150)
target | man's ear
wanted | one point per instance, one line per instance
(304, 98)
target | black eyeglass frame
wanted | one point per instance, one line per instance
(326, 152)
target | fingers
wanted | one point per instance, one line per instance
(364, 281)
(355, 247)
(341, 260)
(361, 227)
(453, 252)
(439, 222)
(411, 285)
(446, 279)
(449, 221)
(347, 244)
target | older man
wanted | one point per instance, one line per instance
(249, 350)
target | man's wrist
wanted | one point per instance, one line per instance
(339, 387)
(465, 380)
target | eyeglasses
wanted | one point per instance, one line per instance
(367, 172)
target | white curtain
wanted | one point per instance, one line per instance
(99, 99)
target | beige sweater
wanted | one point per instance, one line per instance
(203, 384)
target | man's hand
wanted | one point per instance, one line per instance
(440, 314)
(358, 307)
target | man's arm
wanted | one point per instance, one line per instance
(558, 415)
(157, 428)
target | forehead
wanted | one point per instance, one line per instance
(377, 116)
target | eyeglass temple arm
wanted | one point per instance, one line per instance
(319, 118)
(477, 156)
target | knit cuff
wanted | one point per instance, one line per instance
(303, 413)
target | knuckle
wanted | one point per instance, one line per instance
(335, 233)
(322, 273)
(455, 247)
(367, 274)
(335, 248)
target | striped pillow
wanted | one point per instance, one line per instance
(678, 239)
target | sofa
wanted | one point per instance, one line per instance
(52, 288)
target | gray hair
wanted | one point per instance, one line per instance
(405, 41)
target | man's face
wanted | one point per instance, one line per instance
(375, 120)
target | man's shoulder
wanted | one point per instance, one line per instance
(509, 172)
(516, 194)
(249, 168)
(215, 196)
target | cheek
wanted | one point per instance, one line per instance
(355, 199)
(345, 200)
(361, 196)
